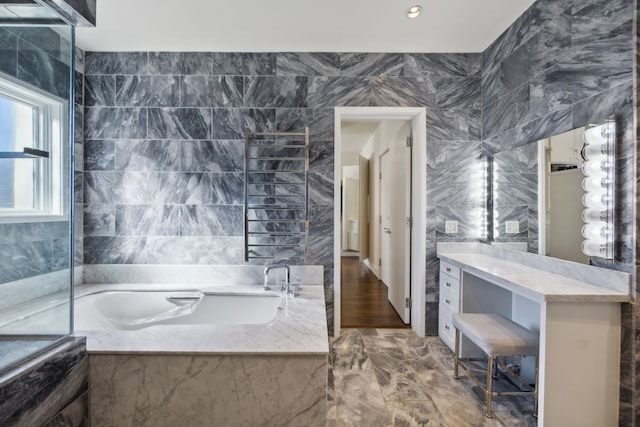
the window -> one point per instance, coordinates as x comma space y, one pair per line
32, 189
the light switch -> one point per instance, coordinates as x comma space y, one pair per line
512, 227
451, 227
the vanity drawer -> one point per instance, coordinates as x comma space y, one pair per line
450, 270
446, 330
450, 298
448, 282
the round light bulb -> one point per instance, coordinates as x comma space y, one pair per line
414, 11
595, 183
594, 167
594, 248
598, 200
595, 215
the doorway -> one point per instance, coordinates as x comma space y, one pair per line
402, 269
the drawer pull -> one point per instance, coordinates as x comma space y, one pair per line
448, 285
447, 327
448, 269
447, 301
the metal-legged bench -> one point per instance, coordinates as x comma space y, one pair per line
496, 336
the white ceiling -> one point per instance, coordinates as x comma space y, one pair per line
298, 25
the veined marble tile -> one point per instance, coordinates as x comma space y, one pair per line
516, 189
588, 26
47, 386
258, 64
503, 213
359, 400
227, 63
181, 63
454, 156
321, 155
99, 155
328, 92
8, 49
276, 92
212, 156
521, 159
115, 250
116, 187
212, 91
437, 64
115, 123
506, 112
147, 220
179, 123
99, 91
454, 92
469, 220
147, 155
23, 260
211, 220
320, 189
28, 232
147, 91
230, 123
179, 188
371, 64
307, 64
348, 352
35, 66
321, 220
552, 42
454, 190
508, 41
79, 60
415, 413
453, 125
227, 188
99, 219
178, 389
134, 63
551, 124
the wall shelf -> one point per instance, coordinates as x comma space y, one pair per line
26, 153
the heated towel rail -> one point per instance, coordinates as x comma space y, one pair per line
276, 205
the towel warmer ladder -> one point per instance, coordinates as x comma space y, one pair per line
276, 202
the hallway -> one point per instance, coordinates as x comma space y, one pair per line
364, 299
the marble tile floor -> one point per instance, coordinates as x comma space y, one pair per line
391, 377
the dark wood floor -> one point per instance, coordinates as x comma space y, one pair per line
364, 299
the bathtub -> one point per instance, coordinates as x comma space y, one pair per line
194, 354
130, 310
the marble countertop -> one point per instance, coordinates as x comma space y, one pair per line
535, 284
299, 328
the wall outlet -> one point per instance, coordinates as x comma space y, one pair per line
451, 227
512, 227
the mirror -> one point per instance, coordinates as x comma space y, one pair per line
544, 197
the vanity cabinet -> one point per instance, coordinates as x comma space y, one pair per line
578, 325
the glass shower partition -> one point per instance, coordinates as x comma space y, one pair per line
36, 181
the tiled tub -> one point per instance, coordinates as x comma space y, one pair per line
273, 373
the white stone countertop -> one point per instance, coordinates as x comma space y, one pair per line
299, 328
535, 284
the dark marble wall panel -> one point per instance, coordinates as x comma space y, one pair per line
562, 64
143, 155
49, 390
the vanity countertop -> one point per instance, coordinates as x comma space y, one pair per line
534, 283
299, 328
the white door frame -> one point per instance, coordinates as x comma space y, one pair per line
418, 118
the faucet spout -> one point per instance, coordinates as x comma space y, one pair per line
268, 268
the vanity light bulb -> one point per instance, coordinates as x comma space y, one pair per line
595, 167
598, 134
595, 200
594, 151
596, 249
595, 183
595, 215
596, 231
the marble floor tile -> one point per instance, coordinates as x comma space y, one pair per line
391, 377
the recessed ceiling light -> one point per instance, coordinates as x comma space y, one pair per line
414, 11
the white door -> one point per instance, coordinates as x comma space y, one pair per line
395, 238
363, 206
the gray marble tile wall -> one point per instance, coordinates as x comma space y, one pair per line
40, 57
163, 148
50, 391
562, 64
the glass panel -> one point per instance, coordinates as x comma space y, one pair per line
17, 184
36, 253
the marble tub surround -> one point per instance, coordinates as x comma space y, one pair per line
232, 375
298, 328
47, 389
207, 390
548, 278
